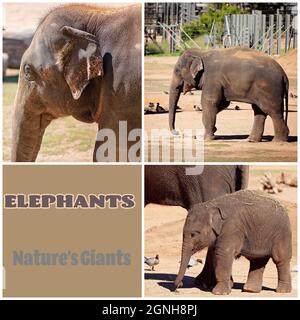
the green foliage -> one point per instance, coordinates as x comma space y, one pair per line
214, 15
153, 48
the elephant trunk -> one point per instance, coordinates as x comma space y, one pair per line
186, 254
175, 91
27, 133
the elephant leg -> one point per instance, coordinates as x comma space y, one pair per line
284, 277
258, 125
209, 117
206, 280
224, 261
280, 128
225, 252
255, 275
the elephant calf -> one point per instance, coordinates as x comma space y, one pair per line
245, 223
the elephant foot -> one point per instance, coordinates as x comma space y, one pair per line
284, 288
209, 137
254, 139
222, 289
252, 287
280, 139
205, 281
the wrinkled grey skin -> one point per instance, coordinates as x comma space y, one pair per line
246, 223
84, 62
233, 74
170, 185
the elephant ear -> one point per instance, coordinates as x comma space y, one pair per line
80, 60
217, 218
196, 66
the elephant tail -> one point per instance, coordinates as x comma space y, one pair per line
286, 97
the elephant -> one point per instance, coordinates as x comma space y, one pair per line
245, 223
232, 74
170, 185
84, 61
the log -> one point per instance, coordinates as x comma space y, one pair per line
269, 185
287, 180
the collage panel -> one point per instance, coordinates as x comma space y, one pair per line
226, 230
76, 235
72, 82
220, 82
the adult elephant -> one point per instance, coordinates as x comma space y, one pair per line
171, 185
233, 74
84, 61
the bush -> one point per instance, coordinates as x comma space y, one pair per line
204, 24
152, 48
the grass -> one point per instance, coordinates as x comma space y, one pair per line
155, 51
259, 172
165, 54
66, 139
9, 91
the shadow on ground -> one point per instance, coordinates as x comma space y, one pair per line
166, 280
267, 138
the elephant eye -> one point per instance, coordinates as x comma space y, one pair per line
195, 233
29, 73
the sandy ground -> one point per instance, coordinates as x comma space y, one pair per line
163, 236
233, 125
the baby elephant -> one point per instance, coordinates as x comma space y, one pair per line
245, 223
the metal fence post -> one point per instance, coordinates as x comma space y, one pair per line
278, 31
263, 31
256, 31
295, 31
271, 26
287, 34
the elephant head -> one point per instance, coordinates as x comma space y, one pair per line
53, 82
186, 76
203, 224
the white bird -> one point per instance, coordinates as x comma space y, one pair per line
152, 261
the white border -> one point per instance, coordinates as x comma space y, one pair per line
142, 172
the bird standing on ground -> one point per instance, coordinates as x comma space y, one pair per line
152, 261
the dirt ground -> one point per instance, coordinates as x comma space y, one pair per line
163, 236
233, 125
